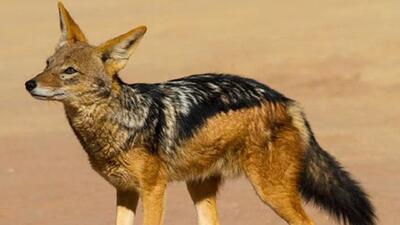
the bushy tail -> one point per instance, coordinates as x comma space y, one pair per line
329, 186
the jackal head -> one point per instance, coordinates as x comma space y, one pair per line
78, 70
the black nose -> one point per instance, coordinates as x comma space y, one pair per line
30, 85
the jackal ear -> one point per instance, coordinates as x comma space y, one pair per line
116, 52
70, 31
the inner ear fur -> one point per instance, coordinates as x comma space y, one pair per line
116, 52
70, 31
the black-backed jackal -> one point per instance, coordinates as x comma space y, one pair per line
199, 129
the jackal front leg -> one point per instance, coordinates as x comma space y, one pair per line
153, 198
126, 207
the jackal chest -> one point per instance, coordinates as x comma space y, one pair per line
106, 145
101, 142
99, 135
116, 172
107, 157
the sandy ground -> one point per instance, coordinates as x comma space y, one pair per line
339, 59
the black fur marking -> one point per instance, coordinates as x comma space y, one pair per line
100, 82
130, 43
61, 21
165, 114
195, 99
71, 81
213, 94
105, 56
325, 182
155, 121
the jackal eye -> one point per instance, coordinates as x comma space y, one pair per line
70, 70
47, 63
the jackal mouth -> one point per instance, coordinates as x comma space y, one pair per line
56, 96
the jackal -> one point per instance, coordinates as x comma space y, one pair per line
199, 129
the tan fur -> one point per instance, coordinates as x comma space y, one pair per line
268, 154
263, 143
203, 194
218, 147
266, 143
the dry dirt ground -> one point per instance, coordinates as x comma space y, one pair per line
338, 58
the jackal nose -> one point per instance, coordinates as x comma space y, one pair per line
30, 85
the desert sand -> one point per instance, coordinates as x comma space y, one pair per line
338, 58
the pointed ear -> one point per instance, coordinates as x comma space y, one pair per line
70, 31
116, 52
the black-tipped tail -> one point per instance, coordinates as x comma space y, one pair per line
329, 186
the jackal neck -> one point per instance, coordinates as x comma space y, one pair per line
110, 125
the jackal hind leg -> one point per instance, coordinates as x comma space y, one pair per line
274, 177
203, 194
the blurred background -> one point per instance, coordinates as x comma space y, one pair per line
338, 58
